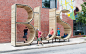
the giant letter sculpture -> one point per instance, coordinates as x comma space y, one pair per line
27, 23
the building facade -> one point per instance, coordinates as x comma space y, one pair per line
5, 17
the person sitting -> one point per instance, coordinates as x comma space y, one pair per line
65, 35
51, 33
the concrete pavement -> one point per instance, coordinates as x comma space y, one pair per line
68, 49
6, 47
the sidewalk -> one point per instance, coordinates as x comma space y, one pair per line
6, 47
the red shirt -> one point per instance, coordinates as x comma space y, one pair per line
51, 32
39, 34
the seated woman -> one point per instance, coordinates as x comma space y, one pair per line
65, 35
58, 32
50, 34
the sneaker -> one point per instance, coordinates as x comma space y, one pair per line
24, 41
42, 44
37, 45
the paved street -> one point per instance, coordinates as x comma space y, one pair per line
68, 49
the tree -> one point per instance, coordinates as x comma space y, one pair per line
82, 14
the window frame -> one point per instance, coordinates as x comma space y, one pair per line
78, 29
49, 3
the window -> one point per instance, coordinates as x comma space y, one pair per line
49, 3
78, 28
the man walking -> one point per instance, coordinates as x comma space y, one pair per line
39, 36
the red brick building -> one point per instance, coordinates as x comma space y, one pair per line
5, 18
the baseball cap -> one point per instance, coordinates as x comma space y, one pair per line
58, 28
38, 29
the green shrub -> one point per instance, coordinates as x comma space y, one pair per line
84, 36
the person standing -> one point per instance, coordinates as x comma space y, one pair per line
25, 34
39, 36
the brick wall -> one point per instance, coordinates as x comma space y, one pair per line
5, 19
78, 4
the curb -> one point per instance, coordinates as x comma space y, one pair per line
40, 47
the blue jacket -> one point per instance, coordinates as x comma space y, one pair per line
65, 35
